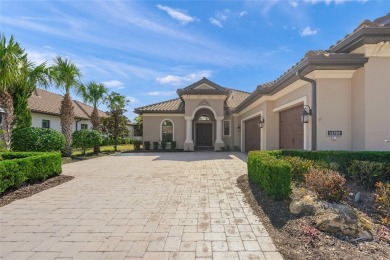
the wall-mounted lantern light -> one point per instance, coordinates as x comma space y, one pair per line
239, 128
305, 114
261, 122
2, 113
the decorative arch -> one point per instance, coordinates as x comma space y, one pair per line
161, 128
200, 107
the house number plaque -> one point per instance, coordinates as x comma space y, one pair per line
334, 133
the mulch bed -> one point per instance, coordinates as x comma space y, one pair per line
291, 234
78, 158
31, 189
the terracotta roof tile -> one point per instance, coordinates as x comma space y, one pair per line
170, 106
42, 101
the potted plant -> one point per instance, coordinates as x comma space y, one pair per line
155, 145
147, 145
173, 145
163, 144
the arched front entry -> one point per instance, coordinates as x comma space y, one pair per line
204, 128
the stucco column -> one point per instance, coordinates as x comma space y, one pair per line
188, 143
218, 140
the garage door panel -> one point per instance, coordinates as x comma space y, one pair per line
252, 135
291, 128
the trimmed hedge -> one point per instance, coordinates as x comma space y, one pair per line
272, 174
342, 158
17, 168
34, 139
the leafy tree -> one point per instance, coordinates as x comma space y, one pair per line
86, 139
93, 94
66, 75
115, 125
140, 124
10, 60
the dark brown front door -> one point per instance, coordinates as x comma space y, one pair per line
252, 134
204, 135
291, 128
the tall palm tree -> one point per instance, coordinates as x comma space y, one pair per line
93, 93
10, 60
66, 76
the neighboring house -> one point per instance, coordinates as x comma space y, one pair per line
338, 99
131, 127
45, 109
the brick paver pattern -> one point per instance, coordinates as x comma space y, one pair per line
140, 206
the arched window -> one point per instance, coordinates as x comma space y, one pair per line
167, 131
204, 118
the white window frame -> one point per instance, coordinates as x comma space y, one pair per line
173, 128
47, 120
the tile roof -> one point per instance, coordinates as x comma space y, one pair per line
45, 102
177, 105
169, 106
194, 89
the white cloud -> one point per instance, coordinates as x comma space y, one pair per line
177, 14
215, 22
132, 100
179, 80
115, 84
293, 3
161, 93
336, 2
223, 15
308, 31
243, 13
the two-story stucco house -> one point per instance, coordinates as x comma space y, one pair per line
337, 99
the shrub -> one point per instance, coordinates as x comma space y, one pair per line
147, 145
163, 145
382, 196
272, 174
299, 167
85, 139
173, 145
137, 144
236, 148
34, 139
340, 158
227, 148
368, 173
155, 145
327, 184
18, 168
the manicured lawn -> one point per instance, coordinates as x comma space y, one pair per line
103, 149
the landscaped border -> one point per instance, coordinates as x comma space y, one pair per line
17, 168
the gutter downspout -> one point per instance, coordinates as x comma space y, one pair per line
313, 109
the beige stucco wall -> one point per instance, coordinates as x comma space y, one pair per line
358, 110
55, 122
334, 113
193, 104
377, 103
152, 128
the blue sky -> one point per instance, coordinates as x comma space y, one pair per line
145, 50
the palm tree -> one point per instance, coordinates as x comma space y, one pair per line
66, 76
30, 76
93, 93
10, 60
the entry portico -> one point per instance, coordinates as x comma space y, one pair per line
201, 116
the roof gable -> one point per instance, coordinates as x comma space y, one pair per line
203, 86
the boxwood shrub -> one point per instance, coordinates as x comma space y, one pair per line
272, 174
17, 168
33, 139
342, 158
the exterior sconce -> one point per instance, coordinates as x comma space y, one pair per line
305, 114
2, 113
239, 128
261, 122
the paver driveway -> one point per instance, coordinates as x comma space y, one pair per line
150, 206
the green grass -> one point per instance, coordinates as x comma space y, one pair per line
104, 149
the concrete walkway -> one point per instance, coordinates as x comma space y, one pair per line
139, 206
